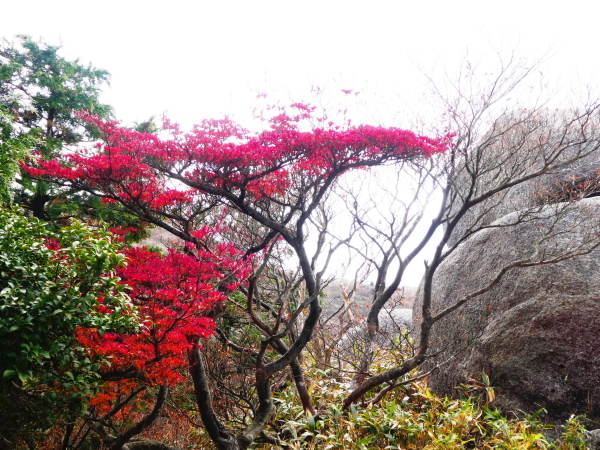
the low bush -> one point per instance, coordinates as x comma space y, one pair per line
411, 418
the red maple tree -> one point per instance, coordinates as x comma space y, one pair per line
173, 294
276, 178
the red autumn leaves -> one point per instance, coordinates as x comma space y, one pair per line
219, 160
172, 293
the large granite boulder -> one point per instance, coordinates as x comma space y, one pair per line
560, 146
577, 180
536, 333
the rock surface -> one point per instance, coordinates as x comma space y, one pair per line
517, 146
593, 440
537, 332
571, 183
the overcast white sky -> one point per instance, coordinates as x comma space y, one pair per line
198, 59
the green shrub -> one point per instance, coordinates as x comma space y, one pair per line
410, 418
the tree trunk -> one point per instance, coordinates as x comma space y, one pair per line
222, 438
38, 206
301, 386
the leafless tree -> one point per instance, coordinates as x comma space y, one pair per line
503, 150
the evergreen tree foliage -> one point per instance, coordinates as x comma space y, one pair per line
53, 285
40, 94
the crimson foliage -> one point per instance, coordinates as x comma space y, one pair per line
276, 178
221, 158
173, 293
